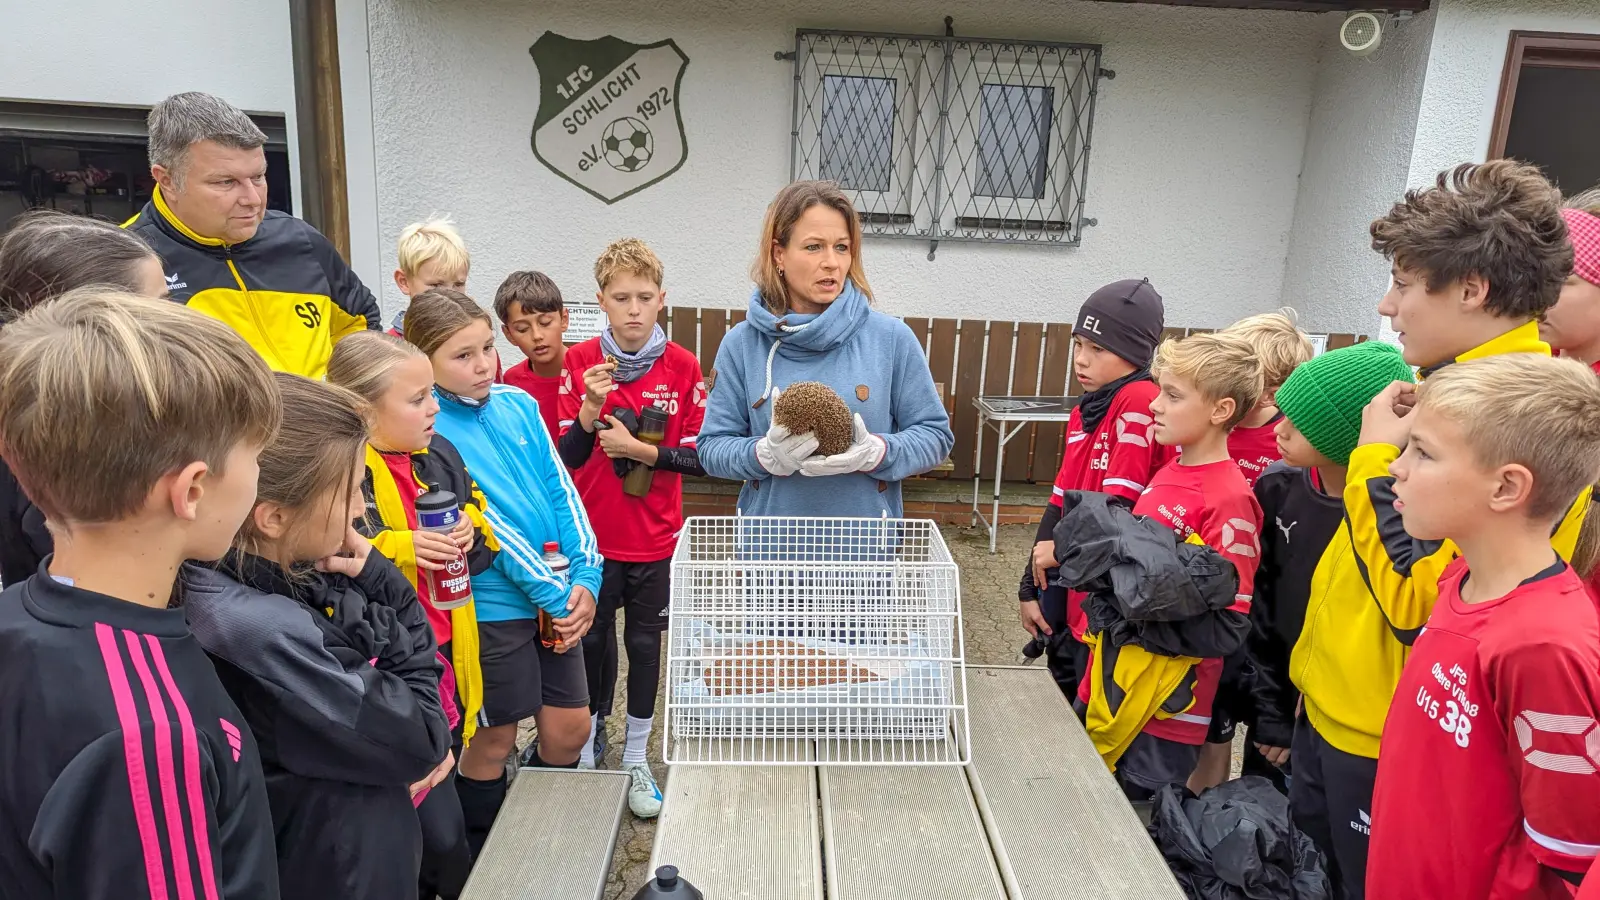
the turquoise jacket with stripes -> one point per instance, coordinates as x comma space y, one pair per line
531, 501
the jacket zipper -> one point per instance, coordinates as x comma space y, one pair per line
249, 305
500, 452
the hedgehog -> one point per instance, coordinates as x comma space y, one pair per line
811, 407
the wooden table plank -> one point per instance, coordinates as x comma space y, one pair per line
554, 837
892, 832
742, 832
1030, 755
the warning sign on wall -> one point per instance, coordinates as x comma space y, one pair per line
609, 117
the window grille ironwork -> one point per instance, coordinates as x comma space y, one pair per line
949, 138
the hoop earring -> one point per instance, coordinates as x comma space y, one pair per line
780, 273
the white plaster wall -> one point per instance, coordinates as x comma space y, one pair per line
119, 53
1470, 39
1357, 157
1197, 146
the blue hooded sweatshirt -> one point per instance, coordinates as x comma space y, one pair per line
871, 360
532, 500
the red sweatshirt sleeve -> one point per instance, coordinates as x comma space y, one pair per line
1133, 456
1233, 529
1547, 698
694, 415
570, 397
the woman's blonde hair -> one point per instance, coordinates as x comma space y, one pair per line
1588, 201
361, 363
785, 210
310, 464
435, 316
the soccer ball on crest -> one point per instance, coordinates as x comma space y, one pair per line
628, 144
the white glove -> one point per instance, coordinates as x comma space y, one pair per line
780, 452
865, 453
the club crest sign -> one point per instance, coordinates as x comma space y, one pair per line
609, 119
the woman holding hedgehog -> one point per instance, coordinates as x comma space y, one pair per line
820, 404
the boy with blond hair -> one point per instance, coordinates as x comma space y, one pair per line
431, 255
1253, 444
1208, 384
134, 424
1489, 775
610, 383
1281, 347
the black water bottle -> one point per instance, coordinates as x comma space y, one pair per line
668, 884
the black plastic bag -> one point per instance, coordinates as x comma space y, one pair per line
1236, 842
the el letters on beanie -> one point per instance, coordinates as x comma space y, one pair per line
1323, 398
1125, 317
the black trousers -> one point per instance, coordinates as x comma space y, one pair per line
1067, 657
1330, 799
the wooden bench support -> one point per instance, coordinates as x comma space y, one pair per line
554, 837
1058, 824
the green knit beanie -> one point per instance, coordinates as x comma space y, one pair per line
1323, 398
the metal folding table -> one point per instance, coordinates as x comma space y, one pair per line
1008, 416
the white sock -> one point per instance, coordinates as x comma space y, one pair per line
638, 739
586, 755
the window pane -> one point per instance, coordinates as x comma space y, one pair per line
857, 131
1013, 139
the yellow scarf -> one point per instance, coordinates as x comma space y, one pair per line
397, 544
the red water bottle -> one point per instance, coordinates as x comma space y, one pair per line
451, 586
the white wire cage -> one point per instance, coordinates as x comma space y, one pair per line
806, 641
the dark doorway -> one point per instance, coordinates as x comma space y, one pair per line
1549, 107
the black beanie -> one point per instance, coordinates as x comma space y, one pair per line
1124, 317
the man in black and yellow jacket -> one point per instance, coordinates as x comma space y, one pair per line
271, 277
1477, 259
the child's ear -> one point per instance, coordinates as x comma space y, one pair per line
184, 488
271, 520
600, 297
663, 299
564, 320
1512, 488
1223, 410
401, 282
1474, 291
506, 330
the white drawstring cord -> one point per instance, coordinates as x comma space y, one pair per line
772, 353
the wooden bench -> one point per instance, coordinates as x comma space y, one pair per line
1035, 816
554, 837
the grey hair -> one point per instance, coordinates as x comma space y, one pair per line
1588, 201
182, 120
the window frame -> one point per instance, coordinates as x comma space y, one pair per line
937, 159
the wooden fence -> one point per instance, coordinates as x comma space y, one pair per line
970, 358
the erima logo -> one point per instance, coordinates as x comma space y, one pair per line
1239, 537
1285, 528
173, 284
1365, 824
1135, 428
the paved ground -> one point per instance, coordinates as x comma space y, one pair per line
993, 635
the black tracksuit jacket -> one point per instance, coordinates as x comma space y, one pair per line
338, 677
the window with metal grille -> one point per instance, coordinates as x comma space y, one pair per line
949, 138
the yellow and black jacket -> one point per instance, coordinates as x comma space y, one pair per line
1374, 589
285, 290
439, 468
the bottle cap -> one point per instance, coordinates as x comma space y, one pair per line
436, 501
552, 547
655, 415
667, 876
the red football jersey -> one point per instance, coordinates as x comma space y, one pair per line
1490, 769
545, 391
1214, 502
636, 529
1117, 458
1254, 449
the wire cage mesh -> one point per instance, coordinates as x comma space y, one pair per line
805, 641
